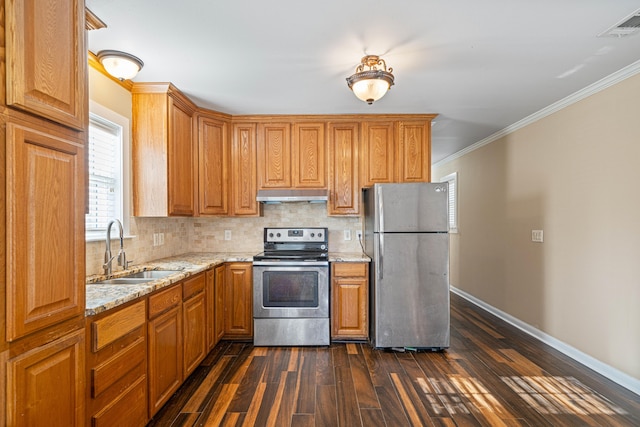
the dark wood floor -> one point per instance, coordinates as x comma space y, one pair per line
492, 375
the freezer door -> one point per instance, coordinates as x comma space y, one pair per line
410, 207
410, 290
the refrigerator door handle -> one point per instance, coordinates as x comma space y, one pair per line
381, 257
380, 211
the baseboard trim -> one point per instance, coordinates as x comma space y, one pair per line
626, 381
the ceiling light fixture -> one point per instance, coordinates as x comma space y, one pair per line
120, 65
371, 80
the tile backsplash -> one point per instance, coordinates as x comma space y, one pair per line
207, 234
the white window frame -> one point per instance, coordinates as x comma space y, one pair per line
103, 113
452, 179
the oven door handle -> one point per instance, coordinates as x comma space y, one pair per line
291, 263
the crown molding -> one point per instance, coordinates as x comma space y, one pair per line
592, 89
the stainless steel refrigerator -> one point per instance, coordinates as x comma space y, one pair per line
406, 234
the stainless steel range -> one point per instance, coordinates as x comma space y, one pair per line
291, 288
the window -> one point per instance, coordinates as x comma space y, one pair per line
108, 140
452, 179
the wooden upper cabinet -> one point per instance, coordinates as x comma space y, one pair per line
46, 59
45, 227
274, 155
243, 171
414, 151
213, 166
164, 169
344, 189
308, 152
378, 153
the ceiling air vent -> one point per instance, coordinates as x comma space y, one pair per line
628, 26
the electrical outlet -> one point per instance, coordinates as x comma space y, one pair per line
359, 235
347, 234
227, 234
155, 239
160, 239
537, 236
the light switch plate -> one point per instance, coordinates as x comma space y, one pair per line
537, 236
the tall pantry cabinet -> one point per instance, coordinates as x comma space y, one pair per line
43, 126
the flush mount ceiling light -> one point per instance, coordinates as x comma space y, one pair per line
120, 65
371, 80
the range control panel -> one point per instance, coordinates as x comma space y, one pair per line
288, 235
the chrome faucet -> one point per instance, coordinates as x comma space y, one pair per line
122, 257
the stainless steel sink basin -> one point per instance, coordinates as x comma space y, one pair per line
124, 281
138, 278
151, 274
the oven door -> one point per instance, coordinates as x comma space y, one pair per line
290, 290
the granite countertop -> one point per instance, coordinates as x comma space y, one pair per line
102, 297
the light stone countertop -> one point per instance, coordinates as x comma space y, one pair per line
102, 297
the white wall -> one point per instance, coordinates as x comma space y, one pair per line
575, 175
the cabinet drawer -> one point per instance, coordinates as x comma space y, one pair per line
130, 409
129, 360
193, 285
350, 269
164, 300
112, 327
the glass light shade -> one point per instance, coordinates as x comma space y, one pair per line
120, 65
370, 90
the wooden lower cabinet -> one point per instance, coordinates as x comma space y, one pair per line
117, 367
238, 301
194, 316
165, 351
215, 305
45, 385
350, 300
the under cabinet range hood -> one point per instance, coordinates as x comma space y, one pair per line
300, 195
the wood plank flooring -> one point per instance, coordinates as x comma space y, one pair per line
493, 375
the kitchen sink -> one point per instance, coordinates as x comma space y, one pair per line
151, 274
124, 281
137, 278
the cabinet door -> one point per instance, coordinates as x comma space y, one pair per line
308, 148
238, 301
414, 151
378, 150
220, 273
213, 161
210, 289
181, 164
344, 189
46, 59
165, 357
274, 155
350, 301
45, 229
46, 384
243, 163
195, 339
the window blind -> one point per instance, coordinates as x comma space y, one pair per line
104, 168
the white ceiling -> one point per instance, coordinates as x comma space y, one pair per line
480, 65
